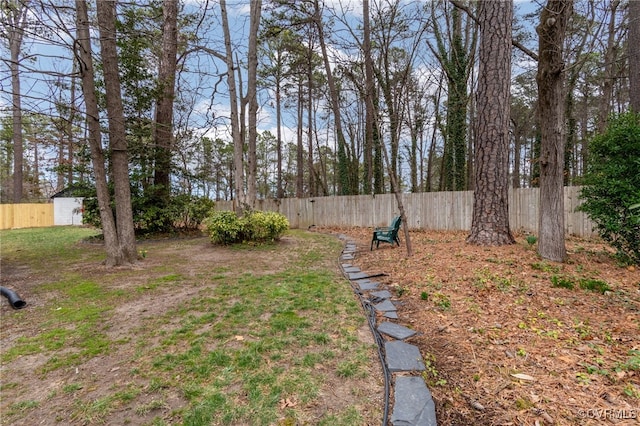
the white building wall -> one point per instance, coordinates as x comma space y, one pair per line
67, 211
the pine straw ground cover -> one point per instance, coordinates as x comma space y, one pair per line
511, 339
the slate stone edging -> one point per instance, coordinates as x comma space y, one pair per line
413, 405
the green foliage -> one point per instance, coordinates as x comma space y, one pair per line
612, 186
632, 364
531, 239
545, 267
557, 281
264, 226
255, 226
442, 301
594, 285
591, 284
223, 228
182, 213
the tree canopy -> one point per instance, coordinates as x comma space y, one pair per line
302, 99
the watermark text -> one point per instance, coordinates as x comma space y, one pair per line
609, 413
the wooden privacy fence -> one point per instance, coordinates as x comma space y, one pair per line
25, 215
427, 210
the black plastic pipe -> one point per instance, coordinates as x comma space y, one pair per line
13, 298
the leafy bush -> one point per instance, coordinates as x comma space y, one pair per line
224, 228
152, 215
188, 212
612, 186
265, 226
255, 226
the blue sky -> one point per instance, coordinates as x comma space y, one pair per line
49, 60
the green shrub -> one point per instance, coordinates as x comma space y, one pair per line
253, 226
612, 186
188, 212
151, 215
264, 226
224, 228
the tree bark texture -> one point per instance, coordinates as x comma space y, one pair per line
300, 148
252, 89
117, 136
634, 55
551, 96
490, 219
238, 143
345, 182
368, 96
83, 53
14, 28
163, 131
609, 61
279, 189
311, 192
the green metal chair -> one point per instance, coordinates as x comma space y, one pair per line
388, 234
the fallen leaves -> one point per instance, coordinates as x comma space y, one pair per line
521, 371
287, 402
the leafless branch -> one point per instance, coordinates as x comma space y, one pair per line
533, 55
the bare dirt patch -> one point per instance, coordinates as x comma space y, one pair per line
502, 344
72, 395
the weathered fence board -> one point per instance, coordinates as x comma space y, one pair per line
427, 210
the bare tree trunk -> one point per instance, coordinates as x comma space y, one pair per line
490, 221
311, 185
14, 29
255, 10
551, 95
238, 142
299, 151
345, 184
64, 130
609, 57
368, 97
398, 194
432, 146
634, 55
61, 160
279, 189
35, 180
70, 122
471, 137
322, 175
163, 130
117, 137
83, 53
517, 147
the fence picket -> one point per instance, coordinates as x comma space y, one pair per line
427, 210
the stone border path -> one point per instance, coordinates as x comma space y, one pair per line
413, 403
